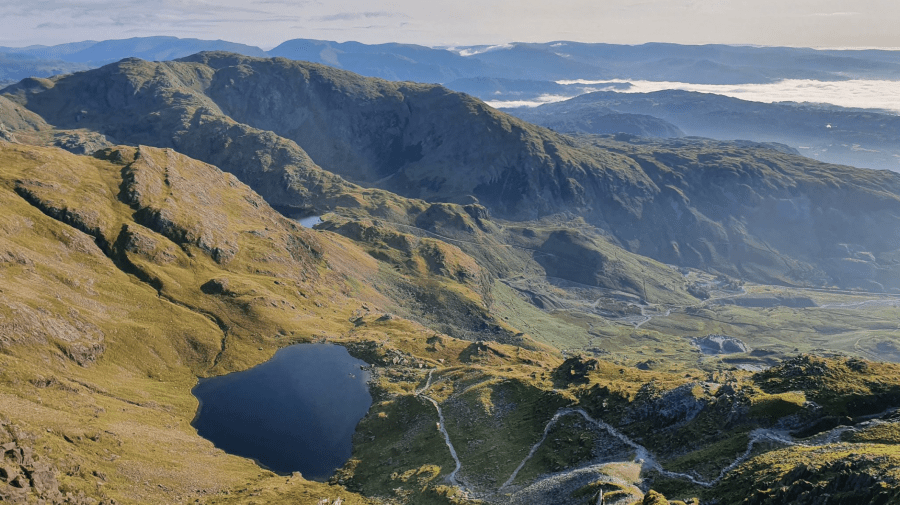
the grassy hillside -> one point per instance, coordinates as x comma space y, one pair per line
105, 325
123, 281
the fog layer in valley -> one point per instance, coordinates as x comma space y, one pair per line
855, 93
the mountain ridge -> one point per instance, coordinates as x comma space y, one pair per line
702, 64
378, 133
845, 136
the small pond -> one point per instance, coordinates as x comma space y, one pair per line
295, 412
309, 222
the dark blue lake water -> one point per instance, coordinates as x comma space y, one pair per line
295, 412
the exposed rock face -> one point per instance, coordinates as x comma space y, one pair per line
6, 135
843, 483
77, 338
575, 369
720, 344
81, 142
599, 121
667, 410
26, 478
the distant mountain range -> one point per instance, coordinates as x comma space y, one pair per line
860, 138
526, 72
550, 61
521, 71
17, 63
17, 66
94, 53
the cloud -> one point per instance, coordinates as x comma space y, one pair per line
480, 50
291, 3
354, 16
168, 16
527, 103
53, 26
834, 14
49, 8
854, 93
461, 22
865, 94
140, 11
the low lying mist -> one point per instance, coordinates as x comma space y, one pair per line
854, 93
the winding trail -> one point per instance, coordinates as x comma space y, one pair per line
421, 393
878, 302
427, 385
649, 317
643, 455
558, 488
591, 472
534, 449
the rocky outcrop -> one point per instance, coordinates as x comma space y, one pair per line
845, 482
481, 352
598, 121
73, 334
667, 410
6, 135
82, 142
25, 477
720, 344
575, 369
654, 498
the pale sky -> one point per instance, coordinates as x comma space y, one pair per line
266, 23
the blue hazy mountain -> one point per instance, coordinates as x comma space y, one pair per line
57, 52
524, 62
711, 64
17, 66
598, 121
395, 62
562, 60
863, 138
95, 53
